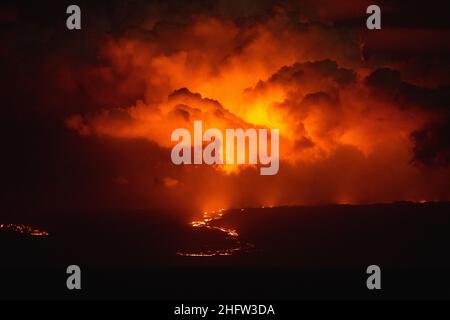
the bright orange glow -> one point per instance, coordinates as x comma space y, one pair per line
341, 139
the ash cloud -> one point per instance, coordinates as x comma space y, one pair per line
362, 117
431, 145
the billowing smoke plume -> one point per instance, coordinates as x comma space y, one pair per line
356, 125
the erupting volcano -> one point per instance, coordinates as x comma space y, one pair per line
311, 130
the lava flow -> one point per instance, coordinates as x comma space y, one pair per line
231, 234
23, 229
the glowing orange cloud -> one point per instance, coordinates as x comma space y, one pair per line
304, 79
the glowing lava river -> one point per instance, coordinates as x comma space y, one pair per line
210, 222
22, 229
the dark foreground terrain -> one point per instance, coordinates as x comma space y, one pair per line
278, 253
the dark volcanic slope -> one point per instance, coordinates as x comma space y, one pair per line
299, 252
398, 235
